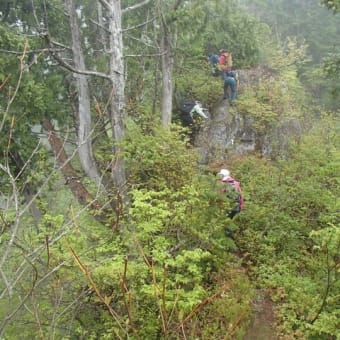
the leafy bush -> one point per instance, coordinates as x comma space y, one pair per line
290, 233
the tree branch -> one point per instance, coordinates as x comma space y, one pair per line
131, 8
69, 67
106, 4
140, 25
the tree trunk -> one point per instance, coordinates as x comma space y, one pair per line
102, 38
117, 104
70, 175
167, 84
84, 106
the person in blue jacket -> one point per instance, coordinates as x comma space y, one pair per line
214, 62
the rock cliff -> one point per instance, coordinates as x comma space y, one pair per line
228, 131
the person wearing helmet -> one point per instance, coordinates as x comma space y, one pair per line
233, 191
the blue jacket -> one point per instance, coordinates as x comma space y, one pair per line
213, 58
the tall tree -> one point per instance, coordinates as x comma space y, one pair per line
168, 39
84, 130
116, 73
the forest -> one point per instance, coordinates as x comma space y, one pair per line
113, 225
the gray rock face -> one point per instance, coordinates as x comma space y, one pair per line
228, 131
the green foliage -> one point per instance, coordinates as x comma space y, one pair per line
257, 105
154, 272
159, 159
292, 226
167, 271
331, 68
312, 26
228, 313
228, 26
334, 5
176, 226
166, 260
202, 86
28, 96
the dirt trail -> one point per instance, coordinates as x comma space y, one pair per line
262, 326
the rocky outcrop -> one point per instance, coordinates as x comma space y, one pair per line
228, 131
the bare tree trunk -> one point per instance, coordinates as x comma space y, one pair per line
117, 105
84, 106
168, 43
102, 37
167, 85
70, 175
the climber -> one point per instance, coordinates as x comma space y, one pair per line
214, 62
192, 113
188, 110
225, 62
230, 84
233, 191
198, 108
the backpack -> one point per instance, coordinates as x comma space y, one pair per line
187, 106
214, 59
226, 61
214, 62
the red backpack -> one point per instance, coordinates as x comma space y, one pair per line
226, 61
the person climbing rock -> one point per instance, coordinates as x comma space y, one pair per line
192, 115
189, 109
214, 63
230, 86
225, 62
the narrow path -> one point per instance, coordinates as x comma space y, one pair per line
214, 137
262, 326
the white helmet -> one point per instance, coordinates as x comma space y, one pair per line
224, 172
